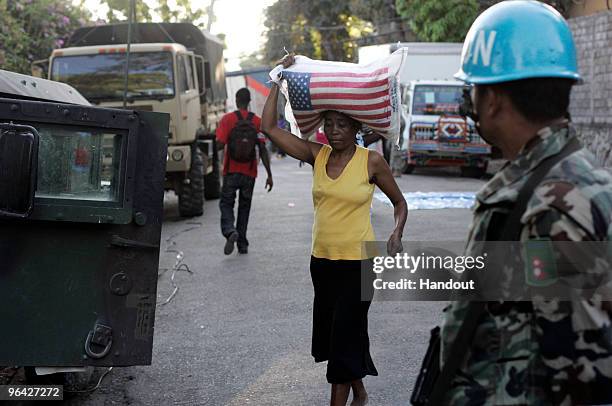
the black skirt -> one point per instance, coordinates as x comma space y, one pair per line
340, 319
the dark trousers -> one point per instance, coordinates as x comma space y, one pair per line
340, 319
233, 182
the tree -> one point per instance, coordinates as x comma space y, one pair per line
168, 11
439, 21
322, 29
118, 11
253, 60
31, 29
449, 21
563, 6
182, 12
285, 31
388, 25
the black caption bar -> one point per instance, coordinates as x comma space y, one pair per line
31, 392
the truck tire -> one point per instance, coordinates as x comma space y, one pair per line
212, 181
408, 169
473, 171
387, 145
191, 193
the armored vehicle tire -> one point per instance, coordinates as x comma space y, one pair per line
212, 181
191, 193
52, 379
408, 169
73, 381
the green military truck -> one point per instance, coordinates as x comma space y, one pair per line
174, 68
81, 208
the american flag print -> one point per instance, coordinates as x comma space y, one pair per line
367, 93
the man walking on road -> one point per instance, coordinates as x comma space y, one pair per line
239, 133
527, 351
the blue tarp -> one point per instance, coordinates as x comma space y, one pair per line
433, 200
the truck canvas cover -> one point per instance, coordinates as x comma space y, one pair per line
201, 42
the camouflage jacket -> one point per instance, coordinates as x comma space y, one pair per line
544, 356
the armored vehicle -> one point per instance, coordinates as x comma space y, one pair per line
81, 204
174, 68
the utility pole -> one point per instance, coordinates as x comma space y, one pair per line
211, 15
131, 16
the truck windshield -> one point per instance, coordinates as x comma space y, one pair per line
436, 100
99, 77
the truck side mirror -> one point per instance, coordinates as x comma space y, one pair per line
405, 93
466, 108
202, 67
18, 169
40, 68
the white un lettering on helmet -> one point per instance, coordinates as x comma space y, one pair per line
483, 48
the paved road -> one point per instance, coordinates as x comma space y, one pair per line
238, 330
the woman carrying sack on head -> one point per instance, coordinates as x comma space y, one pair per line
343, 185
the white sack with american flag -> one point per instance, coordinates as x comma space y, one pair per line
368, 93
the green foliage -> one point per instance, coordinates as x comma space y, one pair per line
375, 11
321, 29
450, 20
169, 11
118, 10
563, 6
182, 12
439, 21
252, 60
31, 29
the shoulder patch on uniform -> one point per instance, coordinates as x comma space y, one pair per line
540, 264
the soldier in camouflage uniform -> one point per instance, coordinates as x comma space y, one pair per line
550, 352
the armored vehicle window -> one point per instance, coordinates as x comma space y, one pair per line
436, 100
99, 77
79, 164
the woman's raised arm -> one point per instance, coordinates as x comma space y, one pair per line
298, 148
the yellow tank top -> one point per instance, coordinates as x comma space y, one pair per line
341, 207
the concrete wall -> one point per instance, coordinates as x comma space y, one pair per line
591, 104
587, 7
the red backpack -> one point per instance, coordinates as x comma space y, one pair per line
243, 139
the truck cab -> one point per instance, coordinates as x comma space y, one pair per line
173, 68
437, 134
162, 79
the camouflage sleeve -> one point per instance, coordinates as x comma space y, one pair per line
573, 336
560, 211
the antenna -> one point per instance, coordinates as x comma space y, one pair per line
131, 16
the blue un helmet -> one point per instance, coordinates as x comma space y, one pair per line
518, 39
